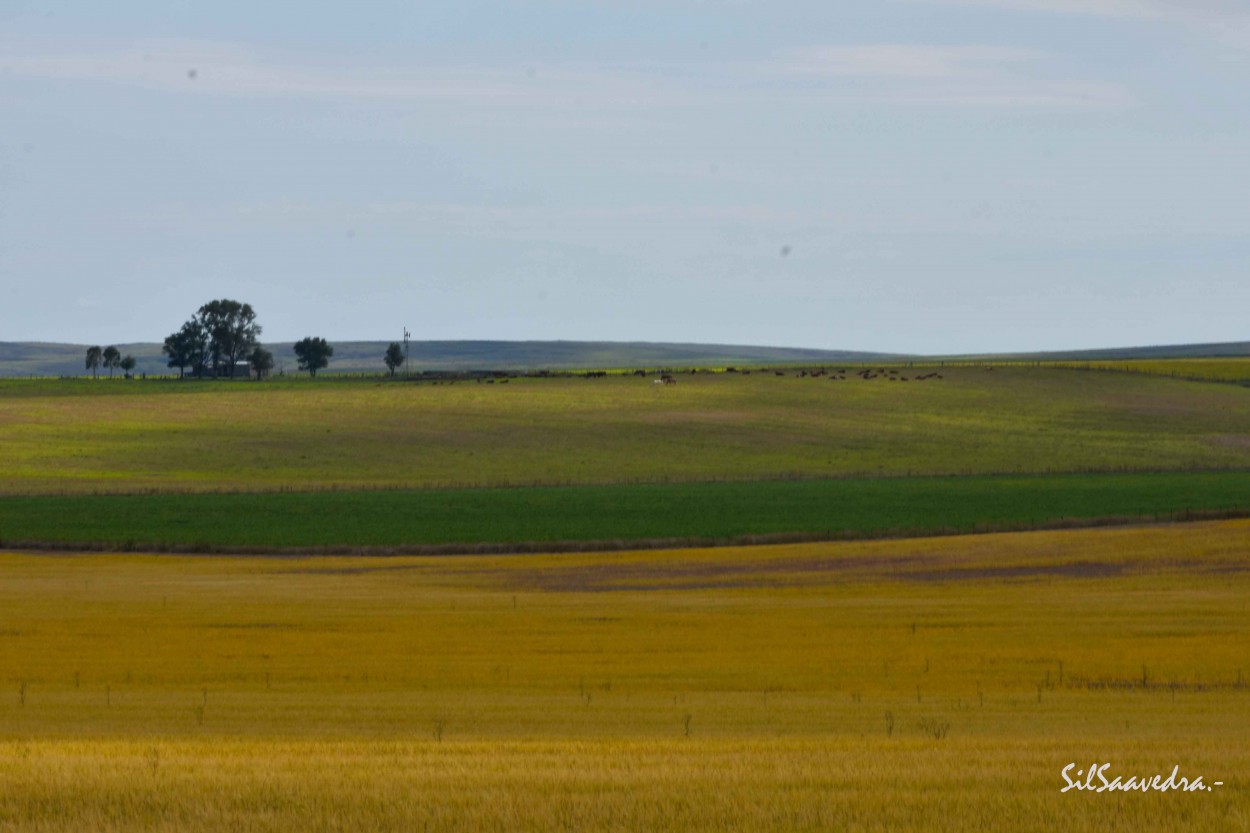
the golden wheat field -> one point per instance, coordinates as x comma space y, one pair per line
927, 684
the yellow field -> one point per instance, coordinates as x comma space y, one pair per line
937, 684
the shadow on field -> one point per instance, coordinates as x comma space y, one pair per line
819, 570
617, 577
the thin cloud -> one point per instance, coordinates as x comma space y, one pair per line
897, 74
525, 219
973, 75
1142, 9
903, 60
194, 67
1109, 8
1224, 21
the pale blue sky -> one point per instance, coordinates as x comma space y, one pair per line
935, 176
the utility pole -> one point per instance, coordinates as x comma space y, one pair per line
407, 335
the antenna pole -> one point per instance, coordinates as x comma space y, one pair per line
407, 335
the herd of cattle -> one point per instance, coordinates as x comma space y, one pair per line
666, 377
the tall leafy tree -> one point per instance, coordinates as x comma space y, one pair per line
94, 357
313, 353
178, 350
261, 361
112, 358
128, 364
394, 357
187, 348
232, 332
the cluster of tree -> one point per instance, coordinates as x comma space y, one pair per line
110, 357
215, 340
222, 336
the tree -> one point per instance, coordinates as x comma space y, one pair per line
232, 332
313, 354
261, 361
128, 364
394, 357
187, 348
112, 358
94, 355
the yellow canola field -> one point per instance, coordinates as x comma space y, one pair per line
929, 684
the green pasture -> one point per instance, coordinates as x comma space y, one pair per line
84, 437
467, 519
1212, 370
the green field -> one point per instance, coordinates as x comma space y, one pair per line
343, 464
927, 685
613, 515
98, 437
1215, 370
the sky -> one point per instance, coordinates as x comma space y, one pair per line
920, 176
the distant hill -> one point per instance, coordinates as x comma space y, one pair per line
50, 359
1229, 349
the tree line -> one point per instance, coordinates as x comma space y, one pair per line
224, 335
110, 358
221, 339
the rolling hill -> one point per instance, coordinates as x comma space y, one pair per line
53, 359
57, 359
